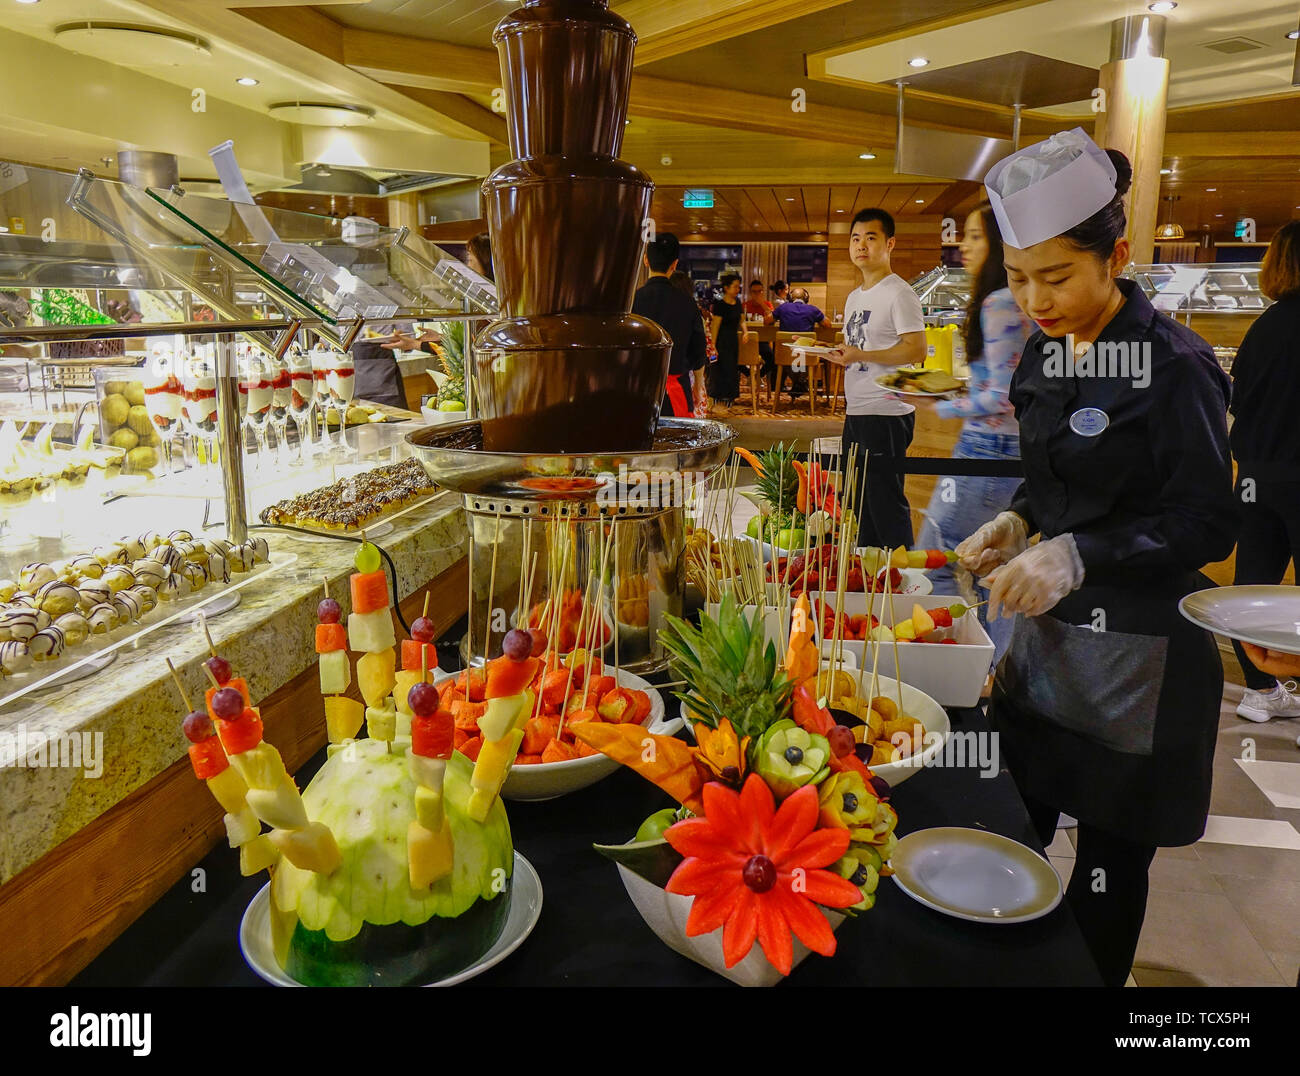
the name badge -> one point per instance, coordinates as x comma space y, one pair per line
1089, 421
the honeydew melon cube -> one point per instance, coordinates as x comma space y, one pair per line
229, 790
371, 632
343, 717
500, 716
428, 808
280, 807
261, 766
430, 854
312, 848
426, 772
403, 724
257, 855
335, 672
242, 827
381, 722
375, 676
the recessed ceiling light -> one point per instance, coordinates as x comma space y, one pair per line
1218, 214
920, 201
841, 211
1293, 35
29, 1
247, 81
866, 156
1161, 6
917, 61
1210, 190
1166, 171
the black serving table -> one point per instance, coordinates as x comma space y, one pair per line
590, 934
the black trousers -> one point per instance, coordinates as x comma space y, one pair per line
1268, 541
1107, 891
885, 519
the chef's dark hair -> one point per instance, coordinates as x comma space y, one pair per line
992, 277
1100, 232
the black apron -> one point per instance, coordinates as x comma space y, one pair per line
378, 378
1115, 727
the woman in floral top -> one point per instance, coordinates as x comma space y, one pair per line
995, 333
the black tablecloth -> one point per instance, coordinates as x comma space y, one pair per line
589, 933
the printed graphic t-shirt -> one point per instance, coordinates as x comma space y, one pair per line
874, 319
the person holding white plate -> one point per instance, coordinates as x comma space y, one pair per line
1107, 701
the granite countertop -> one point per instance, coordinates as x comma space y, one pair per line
133, 705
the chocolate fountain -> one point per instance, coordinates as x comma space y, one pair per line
569, 477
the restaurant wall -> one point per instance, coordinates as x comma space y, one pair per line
917, 248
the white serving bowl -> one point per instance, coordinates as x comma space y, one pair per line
550, 780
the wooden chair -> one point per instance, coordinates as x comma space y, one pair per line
786, 361
751, 362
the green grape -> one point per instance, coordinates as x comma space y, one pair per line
367, 558
958, 610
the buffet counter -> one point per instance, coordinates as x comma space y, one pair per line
119, 838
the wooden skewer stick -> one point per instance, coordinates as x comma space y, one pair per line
211, 676
492, 584
325, 585
203, 623
425, 611
898, 669
179, 690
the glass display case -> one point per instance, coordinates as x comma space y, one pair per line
1218, 301
944, 292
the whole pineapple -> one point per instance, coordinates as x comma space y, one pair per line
451, 356
730, 670
778, 484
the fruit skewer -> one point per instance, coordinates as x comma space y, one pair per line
431, 851
343, 716
370, 631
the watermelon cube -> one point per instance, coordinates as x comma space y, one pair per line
371, 632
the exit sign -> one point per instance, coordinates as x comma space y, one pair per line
698, 198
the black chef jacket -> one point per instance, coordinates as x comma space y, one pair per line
659, 301
1151, 495
1266, 395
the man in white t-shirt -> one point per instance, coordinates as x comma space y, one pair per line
883, 328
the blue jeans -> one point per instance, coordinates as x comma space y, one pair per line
960, 506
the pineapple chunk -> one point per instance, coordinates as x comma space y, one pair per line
403, 724
402, 684
311, 848
427, 772
229, 789
494, 760
335, 672
261, 766
430, 855
242, 827
371, 632
922, 621
375, 676
257, 855
343, 717
428, 808
280, 807
381, 722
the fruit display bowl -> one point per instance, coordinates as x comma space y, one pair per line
665, 913
550, 780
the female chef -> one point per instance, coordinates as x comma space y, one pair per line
1107, 703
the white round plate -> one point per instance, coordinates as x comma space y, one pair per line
812, 349
913, 392
975, 875
1262, 615
525, 908
550, 780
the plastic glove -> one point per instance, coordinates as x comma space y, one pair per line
998, 541
1037, 579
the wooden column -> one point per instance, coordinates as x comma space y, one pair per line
1136, 86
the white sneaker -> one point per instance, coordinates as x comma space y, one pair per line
1261, 705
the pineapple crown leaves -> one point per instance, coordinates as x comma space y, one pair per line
730, 670
778, 485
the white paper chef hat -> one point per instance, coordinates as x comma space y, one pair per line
1049, 187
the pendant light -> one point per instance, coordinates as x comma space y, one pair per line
1170, 230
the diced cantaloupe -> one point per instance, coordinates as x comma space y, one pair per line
312, 848
343, 717
280, 807
335, 672
416, 654
375, 675
229, 790
260, 766
371, 632
257, 855
241, 827
430, 855
381, 721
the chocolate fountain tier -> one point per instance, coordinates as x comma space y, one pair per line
567, 67
571, 383
566, 233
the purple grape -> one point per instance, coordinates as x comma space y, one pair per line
879, 786
227, 703
841, 741
219, 668
197, 726
422, 699
329, 611
518, 644
422, 629
759, 874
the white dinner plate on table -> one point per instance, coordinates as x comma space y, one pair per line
975, 875
525, 908
1263, 615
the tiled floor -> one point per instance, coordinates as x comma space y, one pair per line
1226, 911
